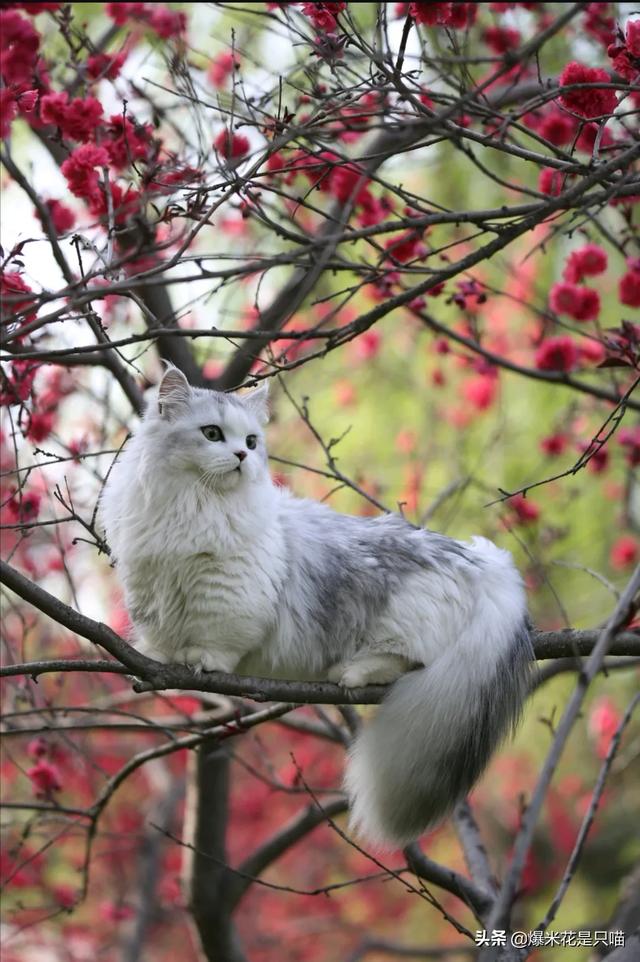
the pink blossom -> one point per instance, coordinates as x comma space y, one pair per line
557, 354
624, 552
551, 181
367, 345
323, 15
77, 118
45, 778
62, 217
104, 65
222, 67
79, 170
480, 391
580, 303
586, 261
501, 39
230, 145
126, 142
554, 444
526, 511
629, 289
557, 127
629, 438
632, 37
19, 52
588, 103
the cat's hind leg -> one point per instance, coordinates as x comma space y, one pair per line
207, 659
370, 668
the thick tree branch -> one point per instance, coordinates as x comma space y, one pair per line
155, 676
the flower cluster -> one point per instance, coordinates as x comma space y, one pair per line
559, 353
76, 118
586, 261
456, 15
323, 15
629, 284
588, 103
230, 145
80, 170
625, 55
163, 21
580, 303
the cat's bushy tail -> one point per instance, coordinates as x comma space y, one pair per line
436, 730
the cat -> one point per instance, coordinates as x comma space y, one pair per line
225, 571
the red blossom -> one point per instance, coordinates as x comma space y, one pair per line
480, 391
557, 127
501, 39
121, 12
8, 110
526, 511
12, 101
366, 346
406, 247
125, 203
443, 14
587, 140
116, 912
126, 142
596, 102
554, 444
599, 22
11, 286
25, 506
603, 722
37, 747
323, 15
632, 37
629, 288
167, 23
17, 385
629, 438
40, 425
231, 145
624, 552
104, 65
551, 181
62, 217
80, 173
346, 179
591, 351
557, 354
19, 52
77, 118
45, 779
598, 460
33, 9
580, 303
222, 67
586, 261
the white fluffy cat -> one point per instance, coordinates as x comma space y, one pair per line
227, 572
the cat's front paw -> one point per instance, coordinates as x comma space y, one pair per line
203, 659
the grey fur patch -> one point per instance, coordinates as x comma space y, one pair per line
345, 579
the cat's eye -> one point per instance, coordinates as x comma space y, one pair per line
212, 432
251, 441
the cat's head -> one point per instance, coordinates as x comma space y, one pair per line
217, 437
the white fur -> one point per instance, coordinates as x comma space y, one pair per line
224, 571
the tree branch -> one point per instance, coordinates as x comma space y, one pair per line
156, 676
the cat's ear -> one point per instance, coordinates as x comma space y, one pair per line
174, 393
258, 402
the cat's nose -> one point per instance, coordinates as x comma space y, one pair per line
241, 455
